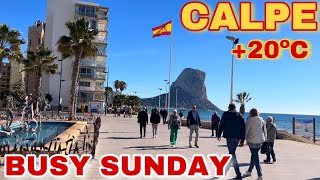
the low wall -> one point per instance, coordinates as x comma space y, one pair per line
281, 134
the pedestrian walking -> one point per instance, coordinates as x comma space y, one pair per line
155, 120
271, 136
174, 125
215, 120
143, 121
232, 126
256, 134
193, 123
164, 116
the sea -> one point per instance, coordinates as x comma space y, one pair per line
283, 121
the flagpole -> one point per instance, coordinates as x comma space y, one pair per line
170, 66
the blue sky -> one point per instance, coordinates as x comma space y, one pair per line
282, 86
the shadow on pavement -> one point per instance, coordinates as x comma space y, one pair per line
121, 138
162, 147
314, 178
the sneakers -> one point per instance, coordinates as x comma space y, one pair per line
260, 178
155, 136
247, 173
267, 161
190, 145
196, 145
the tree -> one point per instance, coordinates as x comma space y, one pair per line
77, 45
40, 62
133, 101
243, 98
10, 44
122, 86
120, 99
116, 85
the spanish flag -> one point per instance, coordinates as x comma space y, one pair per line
164, 29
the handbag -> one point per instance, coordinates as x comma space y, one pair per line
265, 148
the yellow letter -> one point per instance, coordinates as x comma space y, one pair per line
224, 17
246, 23
304, 16
275, 12
187, 16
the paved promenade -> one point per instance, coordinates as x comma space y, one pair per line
121, 136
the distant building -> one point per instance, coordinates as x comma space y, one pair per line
93, 70
35, 40
4, 80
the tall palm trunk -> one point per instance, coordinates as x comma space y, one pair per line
242, 109
38, 96
74, 86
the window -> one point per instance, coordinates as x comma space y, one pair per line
93, 24
84, 84
85, 11
39, 41
30, 42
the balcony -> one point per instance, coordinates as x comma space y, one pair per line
86, 14
99, 40
93, 76
85, 100
101, 89
93, 64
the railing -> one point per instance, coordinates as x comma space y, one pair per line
88, 14
99, 89
102, 16
93, 64
83, 100
100, 40
87, 75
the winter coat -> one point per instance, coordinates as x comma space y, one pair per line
256, 132
232, 125
271, 131
143, 117
192, 121
155, 118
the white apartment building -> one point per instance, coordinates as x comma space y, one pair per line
93, 71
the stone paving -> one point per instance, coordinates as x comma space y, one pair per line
295, 161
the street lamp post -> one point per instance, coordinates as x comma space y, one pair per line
61, 80
107, 92
160, 89
166, 101
234, 42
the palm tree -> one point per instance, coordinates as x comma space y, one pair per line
122, 86
79, 46
10, 44
243, 98
40, 62
116, 85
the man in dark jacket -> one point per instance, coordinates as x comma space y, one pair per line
164, 116
233, 127
155, 120
143, 121
215, 120
193, 123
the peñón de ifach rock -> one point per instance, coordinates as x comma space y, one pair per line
190, 88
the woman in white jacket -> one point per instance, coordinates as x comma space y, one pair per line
255, 136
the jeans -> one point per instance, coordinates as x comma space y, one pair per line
272, 152
154, 129
173, 136
196, 129
164, 119
255, 161
232, 144
143, 126
214, 128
